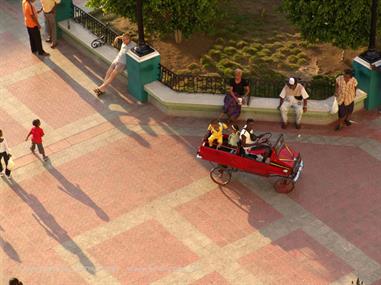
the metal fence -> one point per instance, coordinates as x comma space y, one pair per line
317, 89
95, 26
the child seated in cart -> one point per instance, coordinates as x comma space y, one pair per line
233, 139
216, 128
249, 142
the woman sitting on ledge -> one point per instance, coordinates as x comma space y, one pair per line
233, 101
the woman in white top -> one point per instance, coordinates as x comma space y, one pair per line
4, 154
118, 65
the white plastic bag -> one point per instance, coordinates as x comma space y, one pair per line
11, 164
334, 107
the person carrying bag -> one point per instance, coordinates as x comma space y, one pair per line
5, 155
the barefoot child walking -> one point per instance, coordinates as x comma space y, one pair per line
37, 133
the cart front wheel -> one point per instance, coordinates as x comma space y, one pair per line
284, 185
221, 175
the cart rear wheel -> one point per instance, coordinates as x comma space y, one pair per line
221, 175
284, 185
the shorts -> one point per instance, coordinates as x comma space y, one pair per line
118, 66
345, 110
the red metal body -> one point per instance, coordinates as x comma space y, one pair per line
285, 162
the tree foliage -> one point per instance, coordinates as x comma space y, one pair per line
343, 23
164, 16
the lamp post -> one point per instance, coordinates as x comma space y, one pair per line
142, 49
371, 55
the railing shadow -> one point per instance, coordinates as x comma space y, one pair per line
50, 225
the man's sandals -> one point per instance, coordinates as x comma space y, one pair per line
98, 92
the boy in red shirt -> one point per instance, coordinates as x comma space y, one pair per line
37, 133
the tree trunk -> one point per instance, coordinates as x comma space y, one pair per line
178, 36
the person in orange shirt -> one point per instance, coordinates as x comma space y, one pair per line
33, 27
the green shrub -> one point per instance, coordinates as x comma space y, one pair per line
257, 46
267, 59
218, 47
292, 59
193, 66
301, 61
278, 56
238, 57
206, 59
264, 52
228, 63
249, 50
220, 41
242, 44
294, 51
214, 53
230, 50
228, 72
292, 45
232, 42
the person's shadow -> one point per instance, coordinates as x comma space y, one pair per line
50, 225
74, 190
9, 249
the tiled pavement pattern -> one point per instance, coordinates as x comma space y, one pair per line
124, 201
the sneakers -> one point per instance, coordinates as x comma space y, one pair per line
348, 123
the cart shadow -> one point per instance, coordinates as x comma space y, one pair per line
51, 226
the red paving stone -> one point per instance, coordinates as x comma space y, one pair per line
10, 50
349, 206
136, 258
212, 278
12, 131
53, 100
228, 215
295, 259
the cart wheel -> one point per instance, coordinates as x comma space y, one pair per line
284, 185
220, 175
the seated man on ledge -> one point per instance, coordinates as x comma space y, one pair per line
249, 142
293, 95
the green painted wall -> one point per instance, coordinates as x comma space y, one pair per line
140, 74
64, 12
370, 82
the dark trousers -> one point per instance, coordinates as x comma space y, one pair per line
40, 148
4, 155
35, 40
346, 111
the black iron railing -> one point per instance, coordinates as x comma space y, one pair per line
95, 26
192, 84
318, 89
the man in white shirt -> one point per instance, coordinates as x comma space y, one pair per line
293, 95
118, 65
49, 9
4, 155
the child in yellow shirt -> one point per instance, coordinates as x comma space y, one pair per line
216, 128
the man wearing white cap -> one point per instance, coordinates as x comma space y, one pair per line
293, 95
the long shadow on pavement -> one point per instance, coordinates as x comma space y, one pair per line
89, 99
9, 249
50, 225
74, 191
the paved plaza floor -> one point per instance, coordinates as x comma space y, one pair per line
123, 199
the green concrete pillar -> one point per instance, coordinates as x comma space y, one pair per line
64, 11
141, 71
369, 81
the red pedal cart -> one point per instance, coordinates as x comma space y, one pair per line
285, 163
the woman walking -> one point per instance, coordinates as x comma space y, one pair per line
4, 155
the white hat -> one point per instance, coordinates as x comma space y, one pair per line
291, 81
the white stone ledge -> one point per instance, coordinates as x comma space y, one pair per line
208, 105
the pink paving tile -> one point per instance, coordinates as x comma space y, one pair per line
137, 257
229, 214
212, 278
10, 50
295, 259
12, 130
345, 194
57, 100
